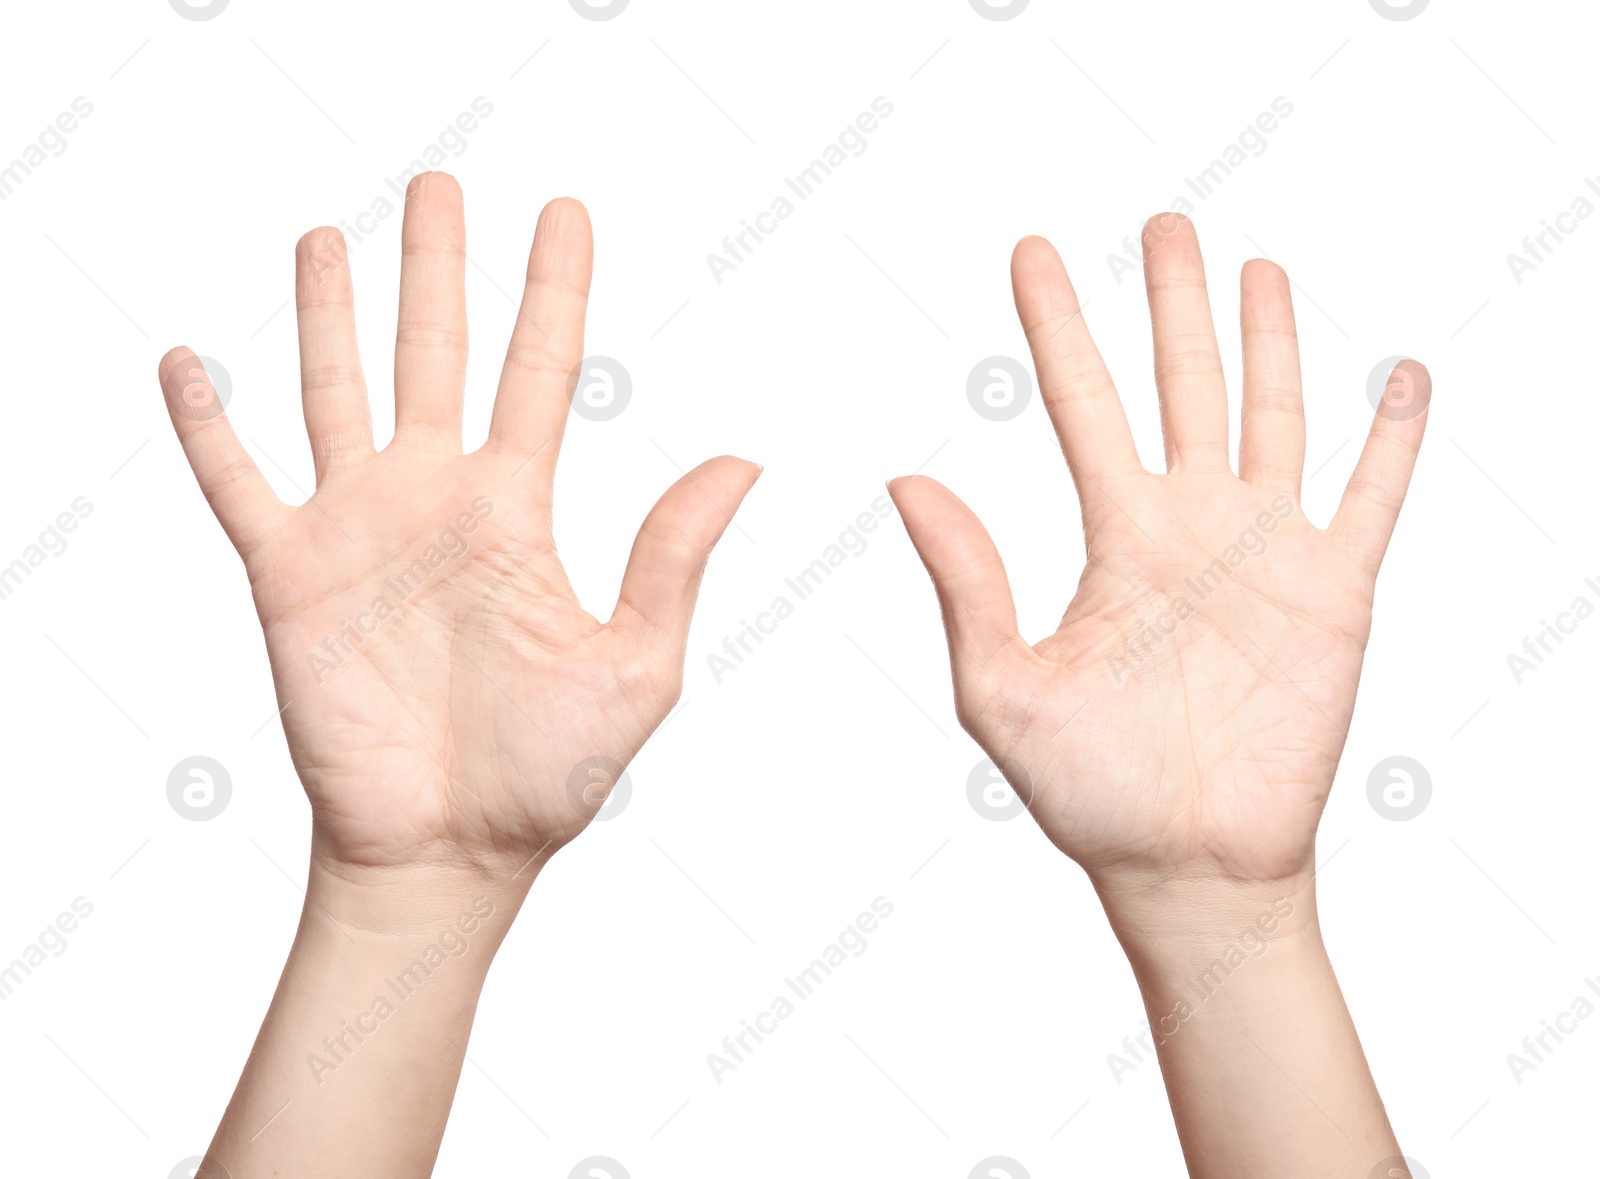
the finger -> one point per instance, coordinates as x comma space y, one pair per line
980, 620
530, 407
669, 554
1194, 399
1073, 381
332, 388
430, 354
239, 496
1272, 442
1371, 504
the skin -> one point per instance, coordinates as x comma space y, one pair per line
1186, 771
440, 746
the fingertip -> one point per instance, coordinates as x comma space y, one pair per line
1168, 227
1263, 270
1410, 387
1040, 285
928, 506
564, 213
1418, 370
727, 477
1034, 255
320, 255
734, 462
322, 242
563, 245
169, 361
187, 386
189, 389
433, 182
896, 488
746, 472
1264, 293
318, 239
900, 487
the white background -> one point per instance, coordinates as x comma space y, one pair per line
1418, 155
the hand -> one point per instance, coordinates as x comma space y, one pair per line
439, 681
1185, 719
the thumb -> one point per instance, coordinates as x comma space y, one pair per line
662, 580
980, 619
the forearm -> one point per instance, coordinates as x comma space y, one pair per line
1262, 1063
356, 1064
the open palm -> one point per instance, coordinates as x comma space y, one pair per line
443, 692
1188, 714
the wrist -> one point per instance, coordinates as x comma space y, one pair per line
1175, 921
372, 1012
1256, 1046
389, 908
1225, 955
